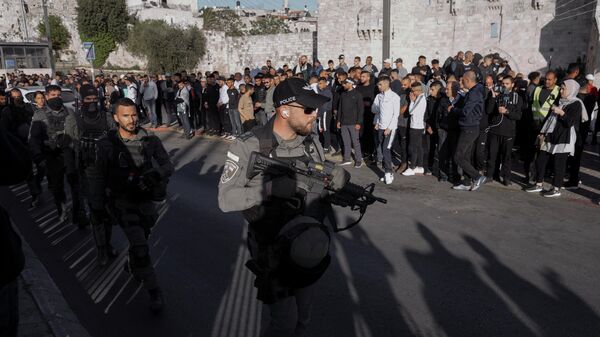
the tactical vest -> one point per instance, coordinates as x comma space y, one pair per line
89, 134
55, 128
540, 111
279, 235
123, 173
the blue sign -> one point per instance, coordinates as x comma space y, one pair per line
10, 64
90, 51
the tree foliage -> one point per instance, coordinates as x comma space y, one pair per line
167, 48
103, 17
60, 35
104, 23
225, 20
269, 25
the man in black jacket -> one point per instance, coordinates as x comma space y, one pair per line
15, 168
505, 111
349, 121
469, 117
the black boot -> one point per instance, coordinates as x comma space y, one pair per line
102, 256
156, 300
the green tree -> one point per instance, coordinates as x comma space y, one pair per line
104, 23
225, 20
154, 39
269, 25
60, 36
103, 17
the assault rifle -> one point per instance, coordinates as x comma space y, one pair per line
319, 177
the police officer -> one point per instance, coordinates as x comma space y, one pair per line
131, 173
50, 149
277, 207
84, 129
15, 118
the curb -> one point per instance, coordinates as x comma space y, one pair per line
49, 299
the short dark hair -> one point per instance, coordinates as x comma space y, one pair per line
395, 71
508, 77
534, 76
52, 87
435, 61
417, 85
357, 58
572, 68
322, 79
126, 102
248, 86
422, 57
385, 78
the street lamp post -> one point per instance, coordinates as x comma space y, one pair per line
48, 36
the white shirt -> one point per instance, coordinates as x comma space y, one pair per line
417, 112
132, 92
386, 107
223, 97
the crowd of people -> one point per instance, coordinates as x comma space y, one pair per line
459, 121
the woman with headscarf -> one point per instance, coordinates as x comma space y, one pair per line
558, 137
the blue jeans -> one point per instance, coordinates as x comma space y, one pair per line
151, 109
236, 122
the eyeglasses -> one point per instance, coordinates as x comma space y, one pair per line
307, 110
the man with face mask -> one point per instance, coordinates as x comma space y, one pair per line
131, 173
16, 119
505, 111
84, 129
51, 148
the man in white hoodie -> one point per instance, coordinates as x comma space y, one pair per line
386, 107
417, 109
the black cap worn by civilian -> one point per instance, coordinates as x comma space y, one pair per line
295, 90
341, 56
87, 90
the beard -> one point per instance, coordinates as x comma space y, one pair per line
303, 129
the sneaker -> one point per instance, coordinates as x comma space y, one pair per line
224, 135
382, 179
408, 172
346, 163
461, 187
389, 178
572, 186
419, 170
156, 300
359, 165
534, 188
554, 192
478, 183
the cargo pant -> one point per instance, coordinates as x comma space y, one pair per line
137, 220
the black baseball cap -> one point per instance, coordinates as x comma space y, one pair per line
87, 90
297, 90
341, 56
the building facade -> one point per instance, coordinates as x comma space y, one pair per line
530, 34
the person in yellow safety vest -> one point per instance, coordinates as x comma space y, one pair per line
544, 97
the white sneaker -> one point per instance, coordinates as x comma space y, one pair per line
389, 178
419, 170
408, 172
346, 163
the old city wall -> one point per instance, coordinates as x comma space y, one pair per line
226, 54
529, 34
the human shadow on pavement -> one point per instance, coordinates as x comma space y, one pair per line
206, 282
559, 313
461, 303
373, 307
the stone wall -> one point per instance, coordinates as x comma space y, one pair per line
530, 38
232, 54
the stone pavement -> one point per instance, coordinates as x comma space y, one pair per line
43, 311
